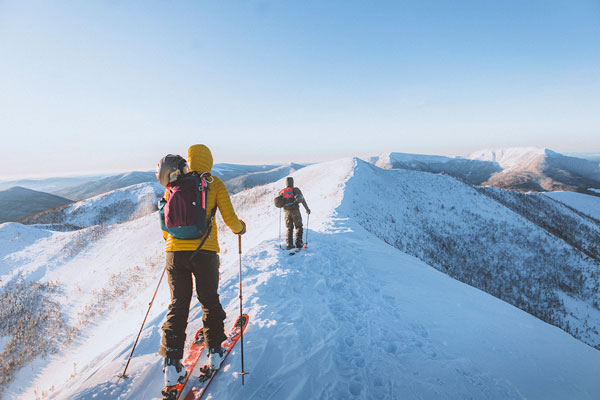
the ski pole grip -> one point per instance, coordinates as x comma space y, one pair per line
240, 244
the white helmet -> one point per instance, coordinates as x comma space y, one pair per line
170, 168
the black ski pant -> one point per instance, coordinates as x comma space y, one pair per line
204, 268
293, 218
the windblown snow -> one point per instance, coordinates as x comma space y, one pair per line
351, 317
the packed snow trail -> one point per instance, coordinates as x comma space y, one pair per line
371, 322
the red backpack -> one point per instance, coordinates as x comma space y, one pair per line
288, 197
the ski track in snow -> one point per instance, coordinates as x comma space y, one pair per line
349, 318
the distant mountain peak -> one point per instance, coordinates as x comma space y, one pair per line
510, 157
516, 168
22, 189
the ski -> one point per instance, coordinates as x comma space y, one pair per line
196, 349
295, 251
206, 374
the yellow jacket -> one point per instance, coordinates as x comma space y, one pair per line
200, 160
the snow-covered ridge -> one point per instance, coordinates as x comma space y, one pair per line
547, 163
258, 178
519, 168
229, 171
99, 186
509, 158
471, 171
353, 317
589, 205
387, 160
109, 208
477, 240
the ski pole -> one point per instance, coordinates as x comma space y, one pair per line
123, 375
279, 237
307, 219
241, 302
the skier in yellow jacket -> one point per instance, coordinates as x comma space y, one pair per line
204, 267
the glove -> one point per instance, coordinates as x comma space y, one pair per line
308, 211
243, 228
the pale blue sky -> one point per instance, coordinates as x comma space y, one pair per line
115, 85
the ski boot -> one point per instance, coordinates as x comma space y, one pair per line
174, 374
215, 357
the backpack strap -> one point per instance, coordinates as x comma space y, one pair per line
206, 235
205, 179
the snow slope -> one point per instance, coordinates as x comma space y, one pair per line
478, 240
253, 179
472, 171
227, 171
351, 317
517, 168
107, 184
109, 208
530, 168
49, 184
589, 205
387, 160
510, 158
100, 272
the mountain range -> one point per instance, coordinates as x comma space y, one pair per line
106, 184
116, 206
237, 178
50, 184
413, 285
523, 169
